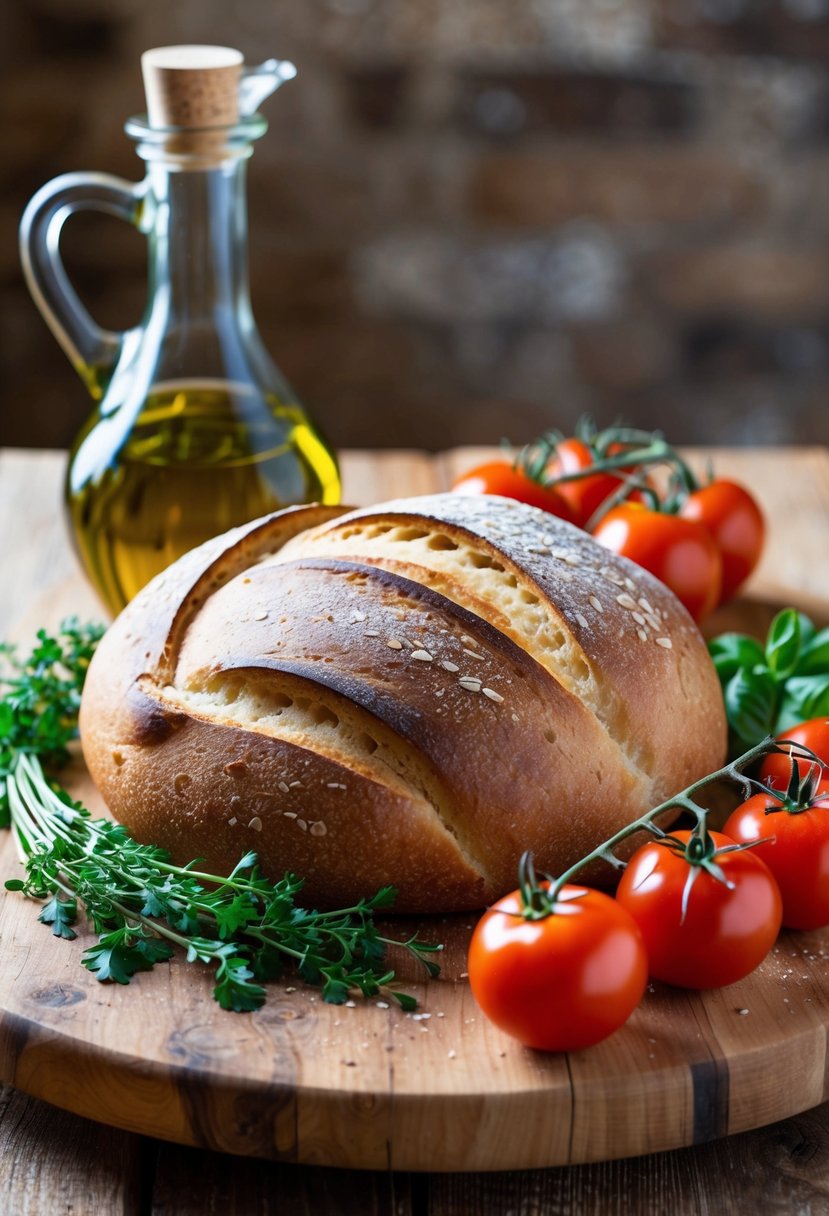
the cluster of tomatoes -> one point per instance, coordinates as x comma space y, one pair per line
562, 969
703, 541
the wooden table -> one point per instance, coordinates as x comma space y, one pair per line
52, 1162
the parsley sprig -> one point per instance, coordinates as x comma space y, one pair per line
140, 904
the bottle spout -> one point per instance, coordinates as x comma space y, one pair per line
258, 82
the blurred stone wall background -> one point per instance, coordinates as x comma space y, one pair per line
471, 218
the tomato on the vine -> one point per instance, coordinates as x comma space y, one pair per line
814, 734
678, 551
732, 516
587, 494
795, 847
500, 477
712, 932
562, 981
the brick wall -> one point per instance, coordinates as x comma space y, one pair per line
473, 218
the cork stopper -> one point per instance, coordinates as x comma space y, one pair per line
193, 87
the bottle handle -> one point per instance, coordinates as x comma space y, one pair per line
92, 350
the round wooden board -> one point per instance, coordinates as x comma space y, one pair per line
371, 1087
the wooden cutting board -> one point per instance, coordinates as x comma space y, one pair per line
371, 1087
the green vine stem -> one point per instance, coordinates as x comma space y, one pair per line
631, 483
643, 450
685, 800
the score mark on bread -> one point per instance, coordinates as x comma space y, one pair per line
412, 693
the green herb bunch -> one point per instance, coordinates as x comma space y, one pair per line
140, 904
41, 696
770, 687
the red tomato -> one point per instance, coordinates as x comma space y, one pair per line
814, 734
499, 477
560, 983
678, 551
796, 852
588, 493
733, 518
726, 932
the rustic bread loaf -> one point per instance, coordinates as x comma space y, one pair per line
411, 693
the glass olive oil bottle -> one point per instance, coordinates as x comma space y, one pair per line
195, 429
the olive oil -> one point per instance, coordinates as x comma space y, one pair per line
194, 429
199, 459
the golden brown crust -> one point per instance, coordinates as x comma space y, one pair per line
415, 706
645, 654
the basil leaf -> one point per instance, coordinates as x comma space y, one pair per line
750, 704
808, 696
783, 643
807, 630
731, 651
814, 655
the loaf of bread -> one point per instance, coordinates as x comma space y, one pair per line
412, 693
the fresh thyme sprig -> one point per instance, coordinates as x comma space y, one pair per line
140, 904
41, 695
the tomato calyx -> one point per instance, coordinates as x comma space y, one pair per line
537, 902
701, 853
802, 790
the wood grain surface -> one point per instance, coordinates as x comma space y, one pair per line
301, 1081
